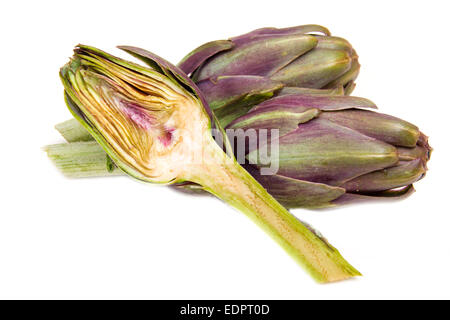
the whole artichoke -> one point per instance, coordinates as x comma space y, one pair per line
238, 73
331, 150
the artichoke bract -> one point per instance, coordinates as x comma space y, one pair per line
154, 124
238, 73
332, 149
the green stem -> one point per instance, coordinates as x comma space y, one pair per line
73, 131
81, 159
82, 150
227, 180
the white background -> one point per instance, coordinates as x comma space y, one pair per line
117, 238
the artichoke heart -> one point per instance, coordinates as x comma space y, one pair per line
140, 115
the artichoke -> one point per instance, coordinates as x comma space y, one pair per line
236, 74
333, 150
154, 124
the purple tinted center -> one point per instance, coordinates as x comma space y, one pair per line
167, 136
137, 115
142, 119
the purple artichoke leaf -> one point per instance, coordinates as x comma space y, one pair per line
193, 60
323, 152
262, 57
347, 78
380, 126
405, 173
294, 193
284, 121
337, 91
315, 69
276, 32
324, 103
225, 90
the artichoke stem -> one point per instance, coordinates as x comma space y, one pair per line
73, 131
227, 180
81, 159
